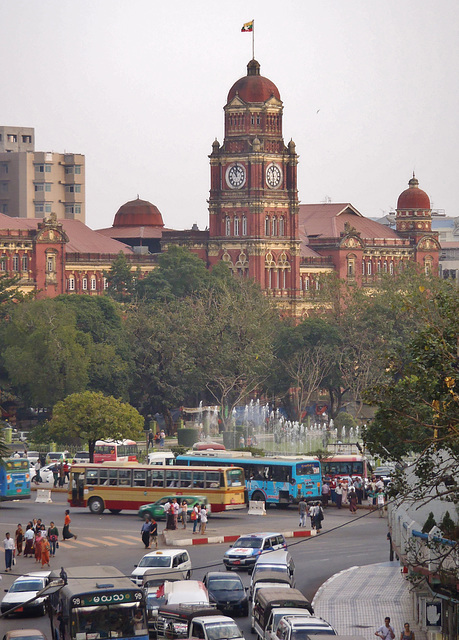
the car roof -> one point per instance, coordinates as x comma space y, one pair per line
163, 552
307, 621
221, 574
261, 535
14, 633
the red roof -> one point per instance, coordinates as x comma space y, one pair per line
82, 239
253, 87
328, 220
413, 197
132, 232
138, 213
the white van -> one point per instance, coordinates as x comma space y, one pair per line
275, 566
186, 592
174, 561
161, 457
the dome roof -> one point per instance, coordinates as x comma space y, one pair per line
138, 213
253, 87
413, 197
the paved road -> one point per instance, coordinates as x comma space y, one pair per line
115, 540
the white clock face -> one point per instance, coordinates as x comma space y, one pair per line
235, 176
273, 176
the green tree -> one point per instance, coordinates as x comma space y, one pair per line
121, 279
93, 416
42, 354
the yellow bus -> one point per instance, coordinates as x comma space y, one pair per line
117, 486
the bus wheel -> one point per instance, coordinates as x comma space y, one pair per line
115, 511
257, 496
96, 505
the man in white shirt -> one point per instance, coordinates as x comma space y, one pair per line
8, 544
386, 632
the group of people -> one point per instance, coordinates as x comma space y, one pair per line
351, 491
60, 471
178, 513
35, 541
314, 511
386, 631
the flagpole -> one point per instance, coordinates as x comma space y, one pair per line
253, 40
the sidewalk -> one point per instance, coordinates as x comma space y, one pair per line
357, 600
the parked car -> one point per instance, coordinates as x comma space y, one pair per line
173, 561
300, 628
176, 622
24, 589
24, 634
156, 509
57, 456
246, 550
80, 457
227, 592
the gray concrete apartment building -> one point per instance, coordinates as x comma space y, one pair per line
34, 184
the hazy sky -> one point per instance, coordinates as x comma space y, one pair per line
370, 93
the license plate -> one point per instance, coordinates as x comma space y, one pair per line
19, 609
237, 562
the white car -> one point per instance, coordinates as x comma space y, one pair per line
173, 561
24, 589
46, 473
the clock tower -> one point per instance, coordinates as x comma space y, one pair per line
253, 204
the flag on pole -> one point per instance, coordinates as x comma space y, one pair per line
248, 26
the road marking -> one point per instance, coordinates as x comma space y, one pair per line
102, 541
136, 538
120, 540
85, 544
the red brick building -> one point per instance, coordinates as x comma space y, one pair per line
256, 224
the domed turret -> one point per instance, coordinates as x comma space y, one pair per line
413, 197
253, 87
138, 213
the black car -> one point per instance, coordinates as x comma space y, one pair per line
227, 592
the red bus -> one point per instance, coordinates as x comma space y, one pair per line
115, 451
346, 466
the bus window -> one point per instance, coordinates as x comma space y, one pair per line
103, 476
139, 478
281, 473
185, 478
157, 478
198, 479
234, 478
212, 479
172, 478
113, 477
92, 476
124, 477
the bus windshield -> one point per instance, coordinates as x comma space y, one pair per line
234, 477
114, 621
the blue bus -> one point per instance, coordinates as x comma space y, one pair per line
14, 479
279, 481
97, 602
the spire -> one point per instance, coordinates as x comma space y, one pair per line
253, 68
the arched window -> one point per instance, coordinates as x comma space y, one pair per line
281, 226
227, 226
244, 225
16, 263
105, 284
85, 283
351, 266
363, 267
391, 268
93, 283
236, 226
71, 283
385, 267
3, 263
25, 263
378, 266
428, 265
274, 226
267, 226
369, 268
50, 263
306, 283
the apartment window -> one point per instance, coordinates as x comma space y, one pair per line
12, 137
69, 170
16, 263
39, 187
43, 168
73, 188
48, 208
25, 263
78, 169
1, 137
39, 210
26, 138
77, 208
4, 167
85, 284
4, 208
48, 186
71, 283
93, 284
4, 187
244, 225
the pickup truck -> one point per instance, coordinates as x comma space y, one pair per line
176, 622
271, 604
